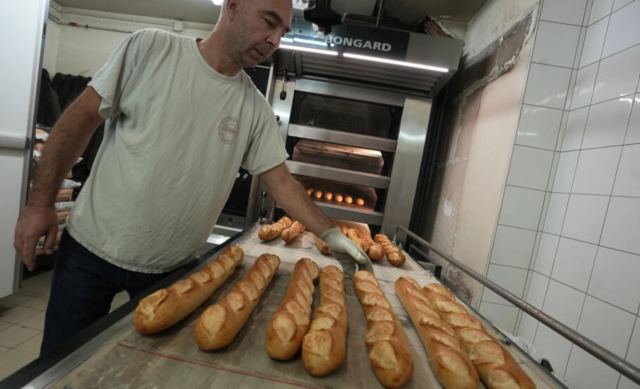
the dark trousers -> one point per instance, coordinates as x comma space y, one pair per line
82, 289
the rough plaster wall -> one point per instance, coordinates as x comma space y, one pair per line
483, 109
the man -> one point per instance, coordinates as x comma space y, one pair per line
182, 117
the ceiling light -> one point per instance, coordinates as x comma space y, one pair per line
309, 50
218, 2
286, 40
399, 63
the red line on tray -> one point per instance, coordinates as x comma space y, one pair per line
216, 367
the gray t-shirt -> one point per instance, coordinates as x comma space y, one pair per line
176, 134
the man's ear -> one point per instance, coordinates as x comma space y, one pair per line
232, 8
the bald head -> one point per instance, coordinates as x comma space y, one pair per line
252, 30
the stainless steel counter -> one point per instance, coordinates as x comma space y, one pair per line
121, 357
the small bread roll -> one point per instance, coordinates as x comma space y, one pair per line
344, 230
328, 196
360, 201
310, 191
348, 199
339, 197
318, 194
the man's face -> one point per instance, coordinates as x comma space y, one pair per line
258, 28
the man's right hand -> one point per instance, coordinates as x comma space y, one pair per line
33, 223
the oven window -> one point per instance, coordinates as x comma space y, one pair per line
339, 193
352, 116
338, 156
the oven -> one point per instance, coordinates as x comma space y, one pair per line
356, 121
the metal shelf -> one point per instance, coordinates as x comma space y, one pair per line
349, 213
342, 138
337, 174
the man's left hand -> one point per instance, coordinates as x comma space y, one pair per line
347, 252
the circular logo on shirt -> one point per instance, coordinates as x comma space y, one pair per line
228, 130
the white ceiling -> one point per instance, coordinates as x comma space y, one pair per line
204, 11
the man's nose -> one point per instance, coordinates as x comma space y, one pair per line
274, 40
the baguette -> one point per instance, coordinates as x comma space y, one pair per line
220, 323
166, 307
290, 322
292, 233
448, 358
324, 347
496, 366
322, 246
354, 235
386, 341
274, 230
394, 254
374, 250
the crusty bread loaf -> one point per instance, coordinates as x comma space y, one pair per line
354, 235
344, 230
220, 323
324, 249
292, 233
449, 359
324, 347
394, 254
166, 307
274, 230
290, 322
389, 352
373, 249
496, 366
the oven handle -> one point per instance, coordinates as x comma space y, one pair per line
606, 356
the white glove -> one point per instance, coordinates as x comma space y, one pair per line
347, 252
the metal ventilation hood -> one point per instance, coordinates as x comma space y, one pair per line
415, 63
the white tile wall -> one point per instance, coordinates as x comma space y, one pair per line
539, 127
521, 207
564, 303
564, 11
624, 30
617, 4
513, 247
546, 254
530, 167
585, 216
554, 347
500, 315
556, 44
537, 290
555, 213
547, 86
565, 172
622, 226
510, 278
607, 123
596, 171
633, 131
585, 371
583, 90
574, 262
600, 9
633, 357
615, 279
593, 42
528, 327
628, 177
617, 76
576, 124
606, 325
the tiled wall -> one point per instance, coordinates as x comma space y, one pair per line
568, 239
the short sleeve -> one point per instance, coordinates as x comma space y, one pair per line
111, 80
266, 149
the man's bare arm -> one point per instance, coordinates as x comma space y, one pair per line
294, 200
67, 141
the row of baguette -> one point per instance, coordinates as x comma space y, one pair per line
460, 350
375, 248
